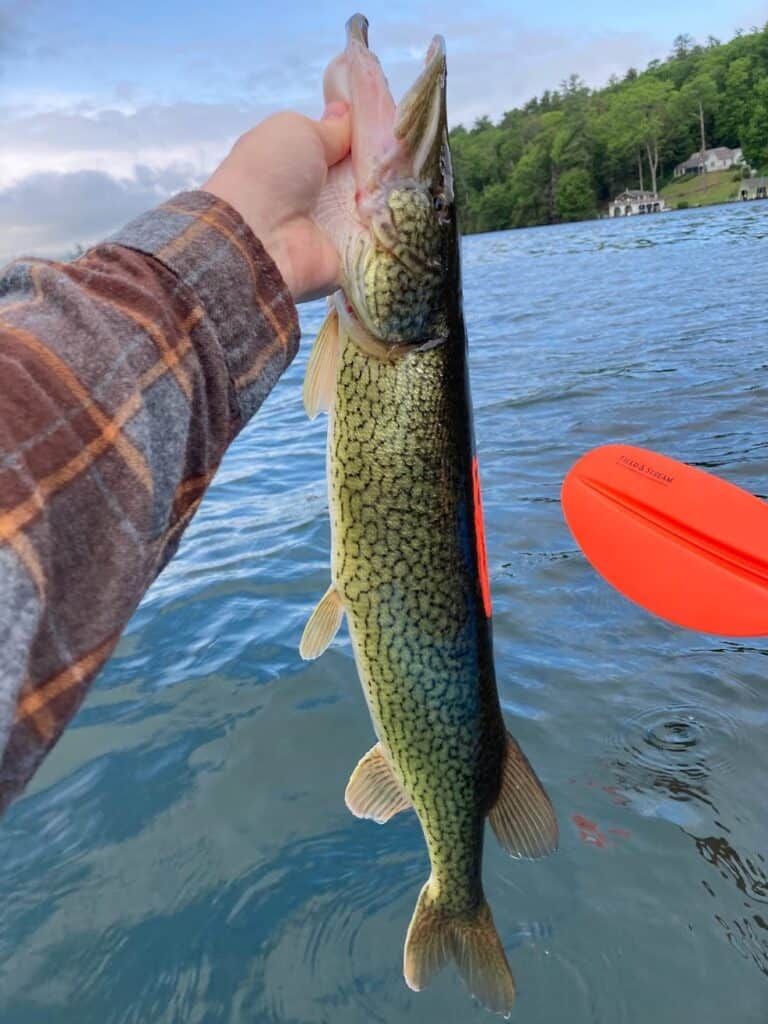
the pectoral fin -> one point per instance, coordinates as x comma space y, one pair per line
320, 379
323, 625
523, 817
373, 791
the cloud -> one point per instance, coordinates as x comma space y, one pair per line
48, 214
113, 140
75, 174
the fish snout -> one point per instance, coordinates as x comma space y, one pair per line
357, 30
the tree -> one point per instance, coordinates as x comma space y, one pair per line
682, 46
755, 132
736, 103
699, 97
493, 210
575, 198
528, 188
621, 132
649, 111
481, 164
574, 85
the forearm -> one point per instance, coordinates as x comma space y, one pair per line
123, 378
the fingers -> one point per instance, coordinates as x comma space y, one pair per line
335, 132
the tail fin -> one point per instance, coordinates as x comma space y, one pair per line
435, 935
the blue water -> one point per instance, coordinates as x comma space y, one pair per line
185, 854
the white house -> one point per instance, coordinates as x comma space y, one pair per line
718, 159
635, 201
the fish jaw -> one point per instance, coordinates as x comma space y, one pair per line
389, 142
388, 207
421, 124
357, 78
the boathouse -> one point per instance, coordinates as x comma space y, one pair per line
754, 188
635, 201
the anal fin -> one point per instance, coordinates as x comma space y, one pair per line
320, 378
373, 791
523, 817
323, 625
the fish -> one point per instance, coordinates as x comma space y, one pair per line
408, 560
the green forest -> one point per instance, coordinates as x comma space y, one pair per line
565, 154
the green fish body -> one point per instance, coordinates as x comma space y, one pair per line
405, 564
408, 570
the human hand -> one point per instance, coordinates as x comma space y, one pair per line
273, 177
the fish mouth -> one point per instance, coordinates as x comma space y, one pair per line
389, 205
391, 142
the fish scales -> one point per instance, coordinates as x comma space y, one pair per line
405, 564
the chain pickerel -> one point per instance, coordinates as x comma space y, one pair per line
408, 552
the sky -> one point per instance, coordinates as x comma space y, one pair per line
108, 108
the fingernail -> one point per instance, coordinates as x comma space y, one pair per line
335, 109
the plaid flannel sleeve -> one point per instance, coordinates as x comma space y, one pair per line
123, 378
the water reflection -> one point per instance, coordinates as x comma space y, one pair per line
749, 934
675, 751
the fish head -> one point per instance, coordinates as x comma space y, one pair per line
393, 209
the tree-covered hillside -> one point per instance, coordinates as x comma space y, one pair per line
565, 154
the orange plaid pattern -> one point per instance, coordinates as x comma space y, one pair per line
181, 317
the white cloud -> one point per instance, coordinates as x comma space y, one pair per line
113, 140
73, 170
74, 174
49, 213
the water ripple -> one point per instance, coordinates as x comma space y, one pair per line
680, 740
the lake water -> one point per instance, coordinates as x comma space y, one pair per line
185, 854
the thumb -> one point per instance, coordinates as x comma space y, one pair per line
335, 132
